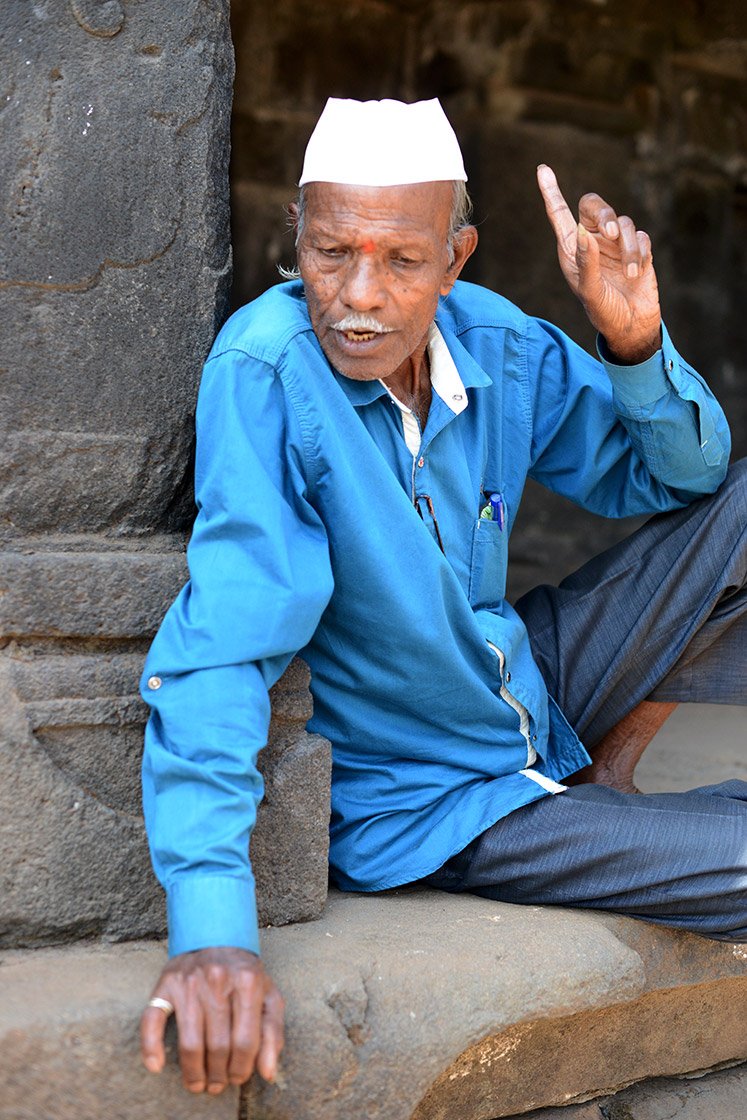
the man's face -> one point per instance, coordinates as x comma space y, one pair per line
374, 261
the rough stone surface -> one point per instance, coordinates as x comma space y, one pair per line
588, 1111
71, 743
714, 1096
407, 1005
114, 219
432, 1007
73, 857
111, 595
69, 1028
115, 265
719, 1096
115, 228
290, 843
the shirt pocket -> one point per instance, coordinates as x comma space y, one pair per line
488, 563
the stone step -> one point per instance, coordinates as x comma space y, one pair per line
715, 1096
411, 1005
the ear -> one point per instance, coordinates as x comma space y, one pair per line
465, 243
292, 212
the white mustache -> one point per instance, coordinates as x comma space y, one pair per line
360, 322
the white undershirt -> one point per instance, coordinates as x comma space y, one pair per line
445, 381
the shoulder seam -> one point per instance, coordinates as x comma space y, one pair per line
484, 324
270, 356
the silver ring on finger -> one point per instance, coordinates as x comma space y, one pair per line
162, 1005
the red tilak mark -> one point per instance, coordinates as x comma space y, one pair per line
368, 247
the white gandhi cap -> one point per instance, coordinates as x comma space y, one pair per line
382, 144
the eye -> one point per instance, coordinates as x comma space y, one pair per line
404, 260
330, 252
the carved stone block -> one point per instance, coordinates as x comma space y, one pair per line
114, 214
73, 855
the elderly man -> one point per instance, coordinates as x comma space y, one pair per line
364, 437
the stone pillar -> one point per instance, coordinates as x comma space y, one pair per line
113, 280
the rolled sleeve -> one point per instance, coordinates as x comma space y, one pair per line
260, 578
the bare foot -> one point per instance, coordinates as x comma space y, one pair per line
604, 776
615, 757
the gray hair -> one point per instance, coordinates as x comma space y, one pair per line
460, 217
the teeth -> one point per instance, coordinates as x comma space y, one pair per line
360, 336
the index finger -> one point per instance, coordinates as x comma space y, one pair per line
558, 211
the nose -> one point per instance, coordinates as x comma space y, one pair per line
363, 289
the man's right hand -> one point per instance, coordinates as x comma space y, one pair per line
229, 1017
607, 263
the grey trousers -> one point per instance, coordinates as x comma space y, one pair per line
661, 616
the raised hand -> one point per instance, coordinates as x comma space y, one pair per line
607, 263
229, 1017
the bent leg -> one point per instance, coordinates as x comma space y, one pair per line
661, 616
676, 859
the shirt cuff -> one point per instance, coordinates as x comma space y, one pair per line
210, 910
642, 384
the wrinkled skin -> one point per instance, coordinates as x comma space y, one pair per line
379, 251
229, 1014
608, 265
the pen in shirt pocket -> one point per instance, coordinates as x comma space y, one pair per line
495, 509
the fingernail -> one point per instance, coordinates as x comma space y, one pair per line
611, 229
153, 1065
583, 237
215, 1088
632, 270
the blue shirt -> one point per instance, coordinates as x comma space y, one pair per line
307, 539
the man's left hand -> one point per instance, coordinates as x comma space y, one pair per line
607, 263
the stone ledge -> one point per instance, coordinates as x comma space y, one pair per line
717, 1096
411, 1005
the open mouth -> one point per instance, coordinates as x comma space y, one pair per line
360, 336
360, 330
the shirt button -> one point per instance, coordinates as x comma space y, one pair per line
508, 676
670, 365
154, 683
421, 461
457, 397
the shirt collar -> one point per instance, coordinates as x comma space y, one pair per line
447, 380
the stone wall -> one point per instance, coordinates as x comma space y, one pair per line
114, 277
645, 103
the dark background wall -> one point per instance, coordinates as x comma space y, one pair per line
644, 103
